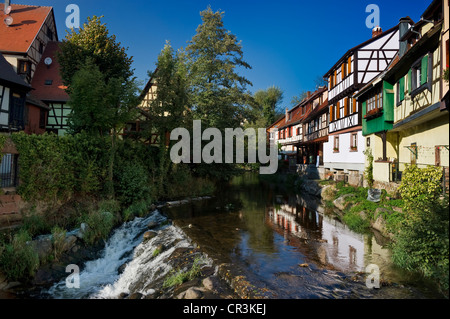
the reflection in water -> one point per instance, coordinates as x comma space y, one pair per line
268, 234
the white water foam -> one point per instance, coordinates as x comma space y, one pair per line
98, 276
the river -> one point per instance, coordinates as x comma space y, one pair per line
289, 245
286, 245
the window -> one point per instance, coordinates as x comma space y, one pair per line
24, 68
419, 75
354, 142
375, 101
48, 82
336, 144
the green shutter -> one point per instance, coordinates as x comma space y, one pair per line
410, 81
424, 71
402, 88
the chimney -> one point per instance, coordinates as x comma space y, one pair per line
403, 29
376, 31
308, 94
287, 115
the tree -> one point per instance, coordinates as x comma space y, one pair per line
93, 41
170, 109
218, 92
298, 98
101, 107
265, 106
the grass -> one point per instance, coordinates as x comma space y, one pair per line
359, 203
180, 277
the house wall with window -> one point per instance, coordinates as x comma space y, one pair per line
419, 123
343, 151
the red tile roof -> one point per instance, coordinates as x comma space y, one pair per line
28, 20
55, 91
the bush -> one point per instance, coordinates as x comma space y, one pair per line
136, 209
58, 241
18, 260
132, 184
100, 226
422, 242
35, 224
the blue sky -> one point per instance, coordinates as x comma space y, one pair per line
288, 43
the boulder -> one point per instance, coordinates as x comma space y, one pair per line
341, 202
152, 224
328, 192
69, 242
379, 224
209, 283
149, 235
193, 293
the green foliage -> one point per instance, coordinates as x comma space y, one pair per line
181, 184
100, 225
355, 222
58, 241
18, 260
55, 168
35, 224
132, 184
422, 242
368, 174
265, 106
93, 41
179, 277
420, 186
169, 110
446, 75
139, 209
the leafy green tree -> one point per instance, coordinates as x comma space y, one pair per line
101, 107
93, 41
266, 105
170, 109
219, 95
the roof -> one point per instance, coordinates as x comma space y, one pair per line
34, 101
56, 90
9, 76
426, 43
28, 20
349, 52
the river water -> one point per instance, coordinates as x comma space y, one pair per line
285, 245
292, 247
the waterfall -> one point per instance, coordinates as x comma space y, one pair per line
100, 278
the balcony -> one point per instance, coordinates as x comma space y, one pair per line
291, 140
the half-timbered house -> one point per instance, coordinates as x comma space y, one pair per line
315, 128
359, 65
50, 90
421, 120
24, 40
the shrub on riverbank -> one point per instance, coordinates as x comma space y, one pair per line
422, 241
18, 260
